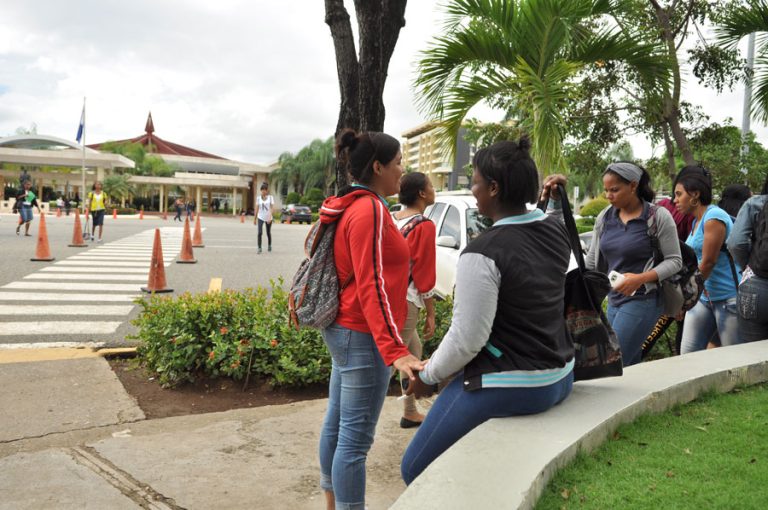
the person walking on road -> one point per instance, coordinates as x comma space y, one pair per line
97, 204
25, 201
179, 204
265, 203
416, 193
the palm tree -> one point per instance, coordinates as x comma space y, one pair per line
741, 20
118, 186
524, 55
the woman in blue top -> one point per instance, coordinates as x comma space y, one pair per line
716, 311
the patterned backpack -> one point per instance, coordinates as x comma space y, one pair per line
683, 289
313, 298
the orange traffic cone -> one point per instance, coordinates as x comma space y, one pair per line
141, 214
186, 256
58, 212
77, 233
43, 251
156, 281
197, 239
114, 214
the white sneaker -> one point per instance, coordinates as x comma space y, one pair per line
98, 240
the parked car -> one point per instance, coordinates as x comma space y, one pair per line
297, 213
457, 223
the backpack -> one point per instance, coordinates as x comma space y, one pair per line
683, 289
313, 298
411, 224
758, 257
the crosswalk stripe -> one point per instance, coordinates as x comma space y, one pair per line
122, 287
118, 259
60, 269
59, 328
40, 296
32, 310
80, 276
102, 263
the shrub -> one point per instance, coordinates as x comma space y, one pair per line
594, 206
443, 314
126, 210
229, 334
585, 224
313, 198
292, 198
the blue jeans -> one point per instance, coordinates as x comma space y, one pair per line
456, 412
359, 382
708, 319
26, 214
753, 309
633, 321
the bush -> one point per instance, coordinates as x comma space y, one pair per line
313, 198
585, 224
315, 217
126, 210
292, 198
229, 334
443, 314
594, 206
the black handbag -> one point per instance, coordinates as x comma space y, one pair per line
596, 346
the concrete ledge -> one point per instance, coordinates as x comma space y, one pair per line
507, 462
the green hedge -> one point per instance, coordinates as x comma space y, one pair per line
594, 206
229, 334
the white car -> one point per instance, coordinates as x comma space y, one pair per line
457, 223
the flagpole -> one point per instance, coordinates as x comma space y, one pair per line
82, 197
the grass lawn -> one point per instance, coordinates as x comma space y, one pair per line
709, 454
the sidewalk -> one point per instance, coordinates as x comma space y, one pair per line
71, 437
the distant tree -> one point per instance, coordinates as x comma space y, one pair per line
31, 130
118, 187
362, 75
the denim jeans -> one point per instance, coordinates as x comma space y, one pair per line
707, 319
359, 382
26, 213
753, 309
633, 321
456, 412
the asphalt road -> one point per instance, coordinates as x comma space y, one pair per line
50, 310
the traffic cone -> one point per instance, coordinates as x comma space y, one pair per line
58, 212
43, 251
77, 233
197, 239
114, 214
141, 214
186, 256
156, 281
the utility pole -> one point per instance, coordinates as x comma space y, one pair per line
747, 111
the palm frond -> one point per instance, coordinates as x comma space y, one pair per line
742, 20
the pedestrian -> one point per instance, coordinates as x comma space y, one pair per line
416, 194
748, 243
179, 204
622, 246
97, 204
226, 205
60, 204
265, 204
507, 341
25, 201
67, 205
371, 258
716, 311
190, 209
732, 198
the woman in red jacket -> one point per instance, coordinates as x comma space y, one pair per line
364, 341
416, 193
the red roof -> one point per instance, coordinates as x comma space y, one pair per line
156, 145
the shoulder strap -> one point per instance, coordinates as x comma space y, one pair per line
653, 235
411, 224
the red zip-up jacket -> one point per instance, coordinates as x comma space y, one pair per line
421, 243
369, 245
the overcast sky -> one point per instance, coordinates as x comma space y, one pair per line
243, 79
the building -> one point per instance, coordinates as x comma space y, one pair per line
424, 151
201, 176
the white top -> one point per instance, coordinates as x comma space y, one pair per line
264, 206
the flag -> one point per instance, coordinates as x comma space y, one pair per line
81, 127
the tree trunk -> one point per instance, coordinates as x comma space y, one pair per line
671, 99
361, 83
670, 151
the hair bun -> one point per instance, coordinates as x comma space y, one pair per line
524, 144
348, 139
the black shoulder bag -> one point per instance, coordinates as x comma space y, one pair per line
597, 350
